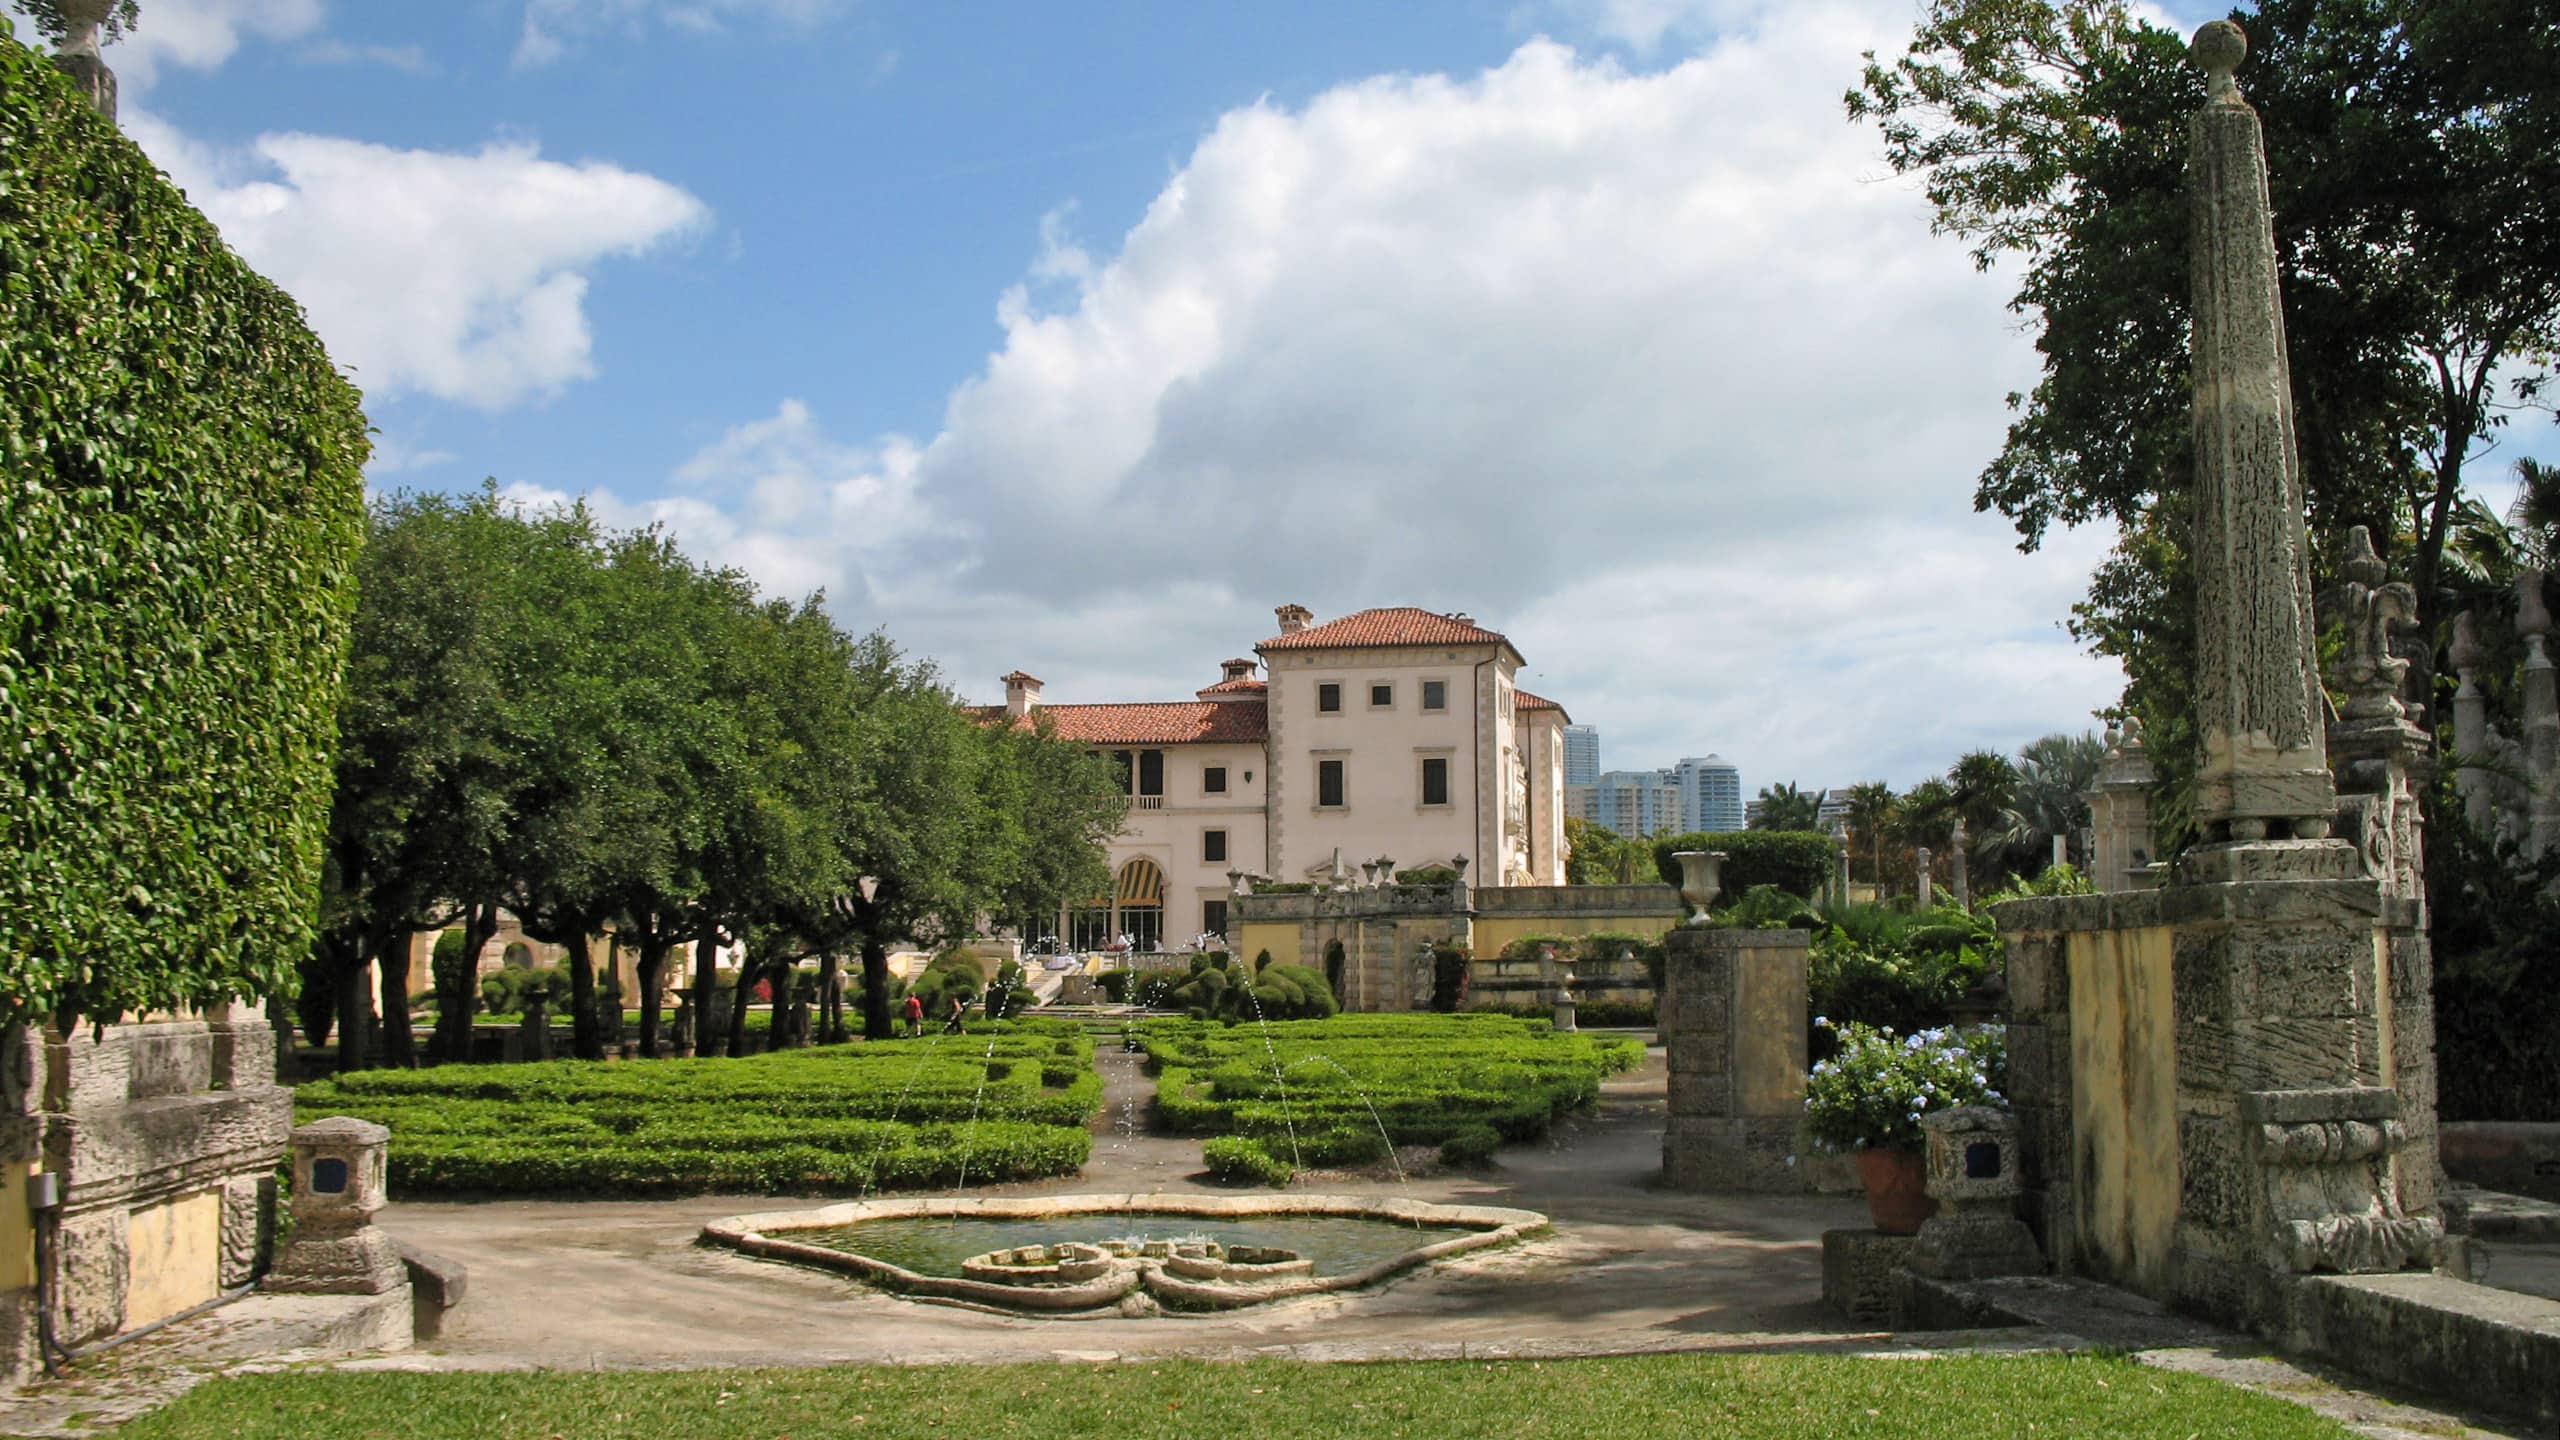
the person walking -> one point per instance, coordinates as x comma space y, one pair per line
959, 1009
915, 1015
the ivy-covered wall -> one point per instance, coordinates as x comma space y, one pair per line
181, 498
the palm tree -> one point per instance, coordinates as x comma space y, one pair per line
1923, 814
1784, 807
2049, 796
1870, 812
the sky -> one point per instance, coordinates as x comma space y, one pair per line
1075, 339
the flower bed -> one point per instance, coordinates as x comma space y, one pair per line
1421, 1079
1011, 1104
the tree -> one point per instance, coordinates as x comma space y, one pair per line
2049, 797
1871, 812
1784, 807
2414, 151
53, 21
1598, 855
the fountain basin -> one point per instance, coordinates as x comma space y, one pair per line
1192, 1273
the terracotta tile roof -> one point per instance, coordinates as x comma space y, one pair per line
1523, 700
1178, 722
1237, 687
1394, 625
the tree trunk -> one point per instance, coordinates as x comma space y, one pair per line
875, 989
288, 1057
586, 1042
830, 999
748, 966
391, 962
355, 1004
706, 980
653, 964
457, 987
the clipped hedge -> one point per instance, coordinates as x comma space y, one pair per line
1799, 862
1349, 1086
1008, 1103
180, 510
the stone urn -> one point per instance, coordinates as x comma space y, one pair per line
1897, 1184
1701, 880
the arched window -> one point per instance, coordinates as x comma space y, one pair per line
1139, 898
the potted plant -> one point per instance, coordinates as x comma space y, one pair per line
1868, 1099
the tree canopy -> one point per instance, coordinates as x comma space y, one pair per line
2414, 157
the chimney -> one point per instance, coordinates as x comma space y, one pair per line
1234, 670
1462, 617
1294, 618
1021, 694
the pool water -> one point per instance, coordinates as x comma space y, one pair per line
936, 1244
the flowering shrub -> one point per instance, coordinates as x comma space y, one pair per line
1872, 1093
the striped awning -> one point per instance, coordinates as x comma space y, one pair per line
1141, 882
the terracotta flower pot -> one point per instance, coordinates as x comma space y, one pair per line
1897, 1189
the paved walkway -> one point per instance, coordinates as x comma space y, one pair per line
617, 1283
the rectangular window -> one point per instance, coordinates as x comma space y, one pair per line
1382, 697
1151, 772
1213, 780
1213, 847
1328, 784
1435, 780
1329, 699
1213, 916
1435, 694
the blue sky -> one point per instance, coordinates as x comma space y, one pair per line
1076, 338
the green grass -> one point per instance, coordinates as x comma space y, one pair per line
1006, 1103
1675, 1397
1340, 1083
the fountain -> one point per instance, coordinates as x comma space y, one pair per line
1084, 1255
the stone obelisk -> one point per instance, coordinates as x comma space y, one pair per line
2259, 710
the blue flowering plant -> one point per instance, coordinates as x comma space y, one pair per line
1872, 1093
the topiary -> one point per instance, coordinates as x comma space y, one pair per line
180, 511
1472, 1146
1241, 1160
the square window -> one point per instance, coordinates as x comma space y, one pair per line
1213, 916
1435, 780
1213, 780
1213, 847
1435, 694
1329, 698
1381, 696
1328, 784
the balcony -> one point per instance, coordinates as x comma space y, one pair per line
1146, 802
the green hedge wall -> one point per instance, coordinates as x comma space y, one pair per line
179, 515
1799, 862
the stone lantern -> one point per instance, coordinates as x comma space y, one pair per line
338, 1187
1973, 1175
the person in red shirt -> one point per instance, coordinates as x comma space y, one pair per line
915, 1017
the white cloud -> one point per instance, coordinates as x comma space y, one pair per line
551, 25
799, 510
203, 34
410, 58
1639, 367
394, 456
459, 275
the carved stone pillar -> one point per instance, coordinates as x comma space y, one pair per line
2121, 842
2541, 716
2470, 722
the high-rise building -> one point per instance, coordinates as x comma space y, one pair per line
1710, 794
1581, 755
1637, 802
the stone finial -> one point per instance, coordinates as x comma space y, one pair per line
2217, 50
2533, 617
2466, 652
1972, 1160
2264, 771
77, 56
2376, 608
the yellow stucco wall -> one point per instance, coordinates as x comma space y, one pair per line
1494, 932
2124, 1103
1280, 940
176, 1257
1770, 1059
17, 1228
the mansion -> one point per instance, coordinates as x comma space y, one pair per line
1396, 733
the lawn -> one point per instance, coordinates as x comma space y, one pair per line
1675, 1397
1007, 1102
1337, 1091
